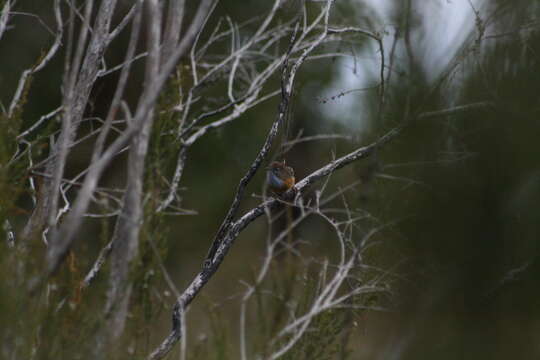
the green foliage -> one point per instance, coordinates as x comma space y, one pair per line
292, 289
14, 173
451, 209
215, 345
145, 307
322, 340
11, 174
219, 341
164, 145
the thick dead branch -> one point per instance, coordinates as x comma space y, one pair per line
65, 235
4, 17
126, 236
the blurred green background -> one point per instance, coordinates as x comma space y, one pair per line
462, 191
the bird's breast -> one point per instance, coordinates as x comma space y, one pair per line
274, 181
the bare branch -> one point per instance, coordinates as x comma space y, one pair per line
286, 90
39, 122
15, 102
175, 17
126, 235
456, 110
4, 17
64, 236
125, 21
76, 97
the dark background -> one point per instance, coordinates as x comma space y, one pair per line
464, 200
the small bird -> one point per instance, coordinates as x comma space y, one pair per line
279, 177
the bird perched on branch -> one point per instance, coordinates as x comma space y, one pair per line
279, 177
